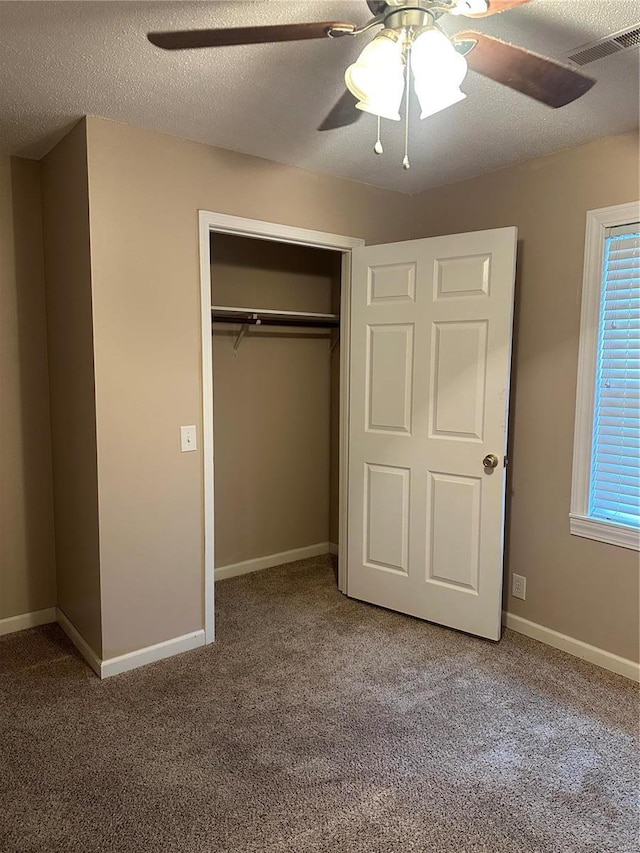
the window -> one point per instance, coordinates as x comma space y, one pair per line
605, 500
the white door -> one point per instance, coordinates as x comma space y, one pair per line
431, 327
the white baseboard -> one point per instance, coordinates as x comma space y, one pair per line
151, 654
333, 548
79, 642
271, 560
577, 648
27, 620
131, 660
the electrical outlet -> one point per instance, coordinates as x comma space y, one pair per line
519, 586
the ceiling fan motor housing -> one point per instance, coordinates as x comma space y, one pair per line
409, 19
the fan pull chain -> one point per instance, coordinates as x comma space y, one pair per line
378, 146
405, 161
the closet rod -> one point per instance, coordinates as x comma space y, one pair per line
261, 316
280, 321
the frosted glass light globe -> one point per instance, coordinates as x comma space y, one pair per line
438, 70
376, 78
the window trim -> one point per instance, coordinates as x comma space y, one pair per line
580, 524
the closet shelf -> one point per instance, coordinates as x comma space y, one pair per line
262, 316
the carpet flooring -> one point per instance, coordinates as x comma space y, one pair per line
316, 724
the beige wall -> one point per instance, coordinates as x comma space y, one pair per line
27, 566
71, 376
583, 588
271, 401
145, 190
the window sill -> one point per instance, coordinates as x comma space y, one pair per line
604, 531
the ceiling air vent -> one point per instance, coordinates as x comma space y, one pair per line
615, 43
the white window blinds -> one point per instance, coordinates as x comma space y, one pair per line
615, 465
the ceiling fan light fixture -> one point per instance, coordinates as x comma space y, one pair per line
376, 78
438, 70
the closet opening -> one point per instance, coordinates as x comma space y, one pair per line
275, 399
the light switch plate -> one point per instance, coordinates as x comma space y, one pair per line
188, 438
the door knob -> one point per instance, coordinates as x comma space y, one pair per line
490, 461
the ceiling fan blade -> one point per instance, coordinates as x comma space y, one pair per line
189, 39
343, 113
540, 78
496, 6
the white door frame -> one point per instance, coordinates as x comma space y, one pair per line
224, 224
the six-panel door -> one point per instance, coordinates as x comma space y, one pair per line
430, 362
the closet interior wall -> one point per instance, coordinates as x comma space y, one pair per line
275, 401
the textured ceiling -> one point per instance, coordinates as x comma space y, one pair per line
61, 60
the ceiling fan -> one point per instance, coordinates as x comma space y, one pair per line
410, 40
